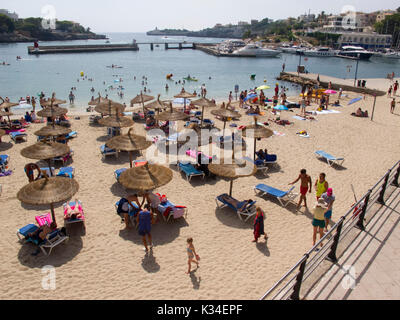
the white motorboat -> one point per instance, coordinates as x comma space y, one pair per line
320, 52
390, 54
355, 53
253, 50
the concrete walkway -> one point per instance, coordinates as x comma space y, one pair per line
369, 268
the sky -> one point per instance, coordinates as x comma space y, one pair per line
145, 15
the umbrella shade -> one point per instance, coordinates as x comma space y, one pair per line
281, 107
52, 112
147, 177
156, 105
141, 98
203, 102
329, 91
354, 100
44, 150
128, 142
52, 101
171, 115
231, 169
6, 105
263, 87
98, 100
109, 107
185, 94
48, 190
256, 131
225, 113
50, 131
116, 122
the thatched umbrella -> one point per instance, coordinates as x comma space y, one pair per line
203, 103
225, 114
45, 150
171, 115
48, 191
6, 105
98, 100
116, 122
141, 98
256, 131
128, 142
52, 102
52, 112
157, 105
185, 95
229, 169
50, 131
109, 107
145, 178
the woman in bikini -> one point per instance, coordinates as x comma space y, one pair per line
191, 254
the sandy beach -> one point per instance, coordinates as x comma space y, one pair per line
107, 262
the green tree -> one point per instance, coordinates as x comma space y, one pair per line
6, 24
247, 34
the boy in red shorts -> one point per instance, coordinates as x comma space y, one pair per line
304, 186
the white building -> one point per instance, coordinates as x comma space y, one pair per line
365, 40
13, 15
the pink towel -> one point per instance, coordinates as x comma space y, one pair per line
44, 219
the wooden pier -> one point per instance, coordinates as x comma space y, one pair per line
83, 48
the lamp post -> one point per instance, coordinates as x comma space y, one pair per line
355, 76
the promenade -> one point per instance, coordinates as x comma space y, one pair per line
369, 268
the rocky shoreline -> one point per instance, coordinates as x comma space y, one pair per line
48, 36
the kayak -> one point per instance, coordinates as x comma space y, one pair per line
190, 79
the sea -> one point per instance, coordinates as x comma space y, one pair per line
148, 68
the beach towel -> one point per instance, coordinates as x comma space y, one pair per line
44, 219
298, 118
279, 134
5, 173
327, 112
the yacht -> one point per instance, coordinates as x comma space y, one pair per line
254, 50
389, 54
355, 53
320, 52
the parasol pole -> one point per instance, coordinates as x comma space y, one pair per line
202, 117
49, 162
230, 188
53, 216
141, 97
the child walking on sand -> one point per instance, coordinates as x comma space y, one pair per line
191, 254
305, 182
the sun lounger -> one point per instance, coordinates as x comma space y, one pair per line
73, 205
117, 173
241, 209
52, 240
260, 164
66, 172
64, 159
18, 136
189, 170
208, 123
330, 159
4, 159
113, 132
282, 196
47, 171
71, 135
271, 159
168, 210
24, 231
107, 151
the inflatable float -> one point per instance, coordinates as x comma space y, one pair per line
190, 79
169, 76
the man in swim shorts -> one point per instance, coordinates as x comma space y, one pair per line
304, 186
318, 220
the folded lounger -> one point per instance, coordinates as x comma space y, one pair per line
282, 196
260, 164
66, 172
247, 210
168, 210
189, 170
73, 205
330, 159
18, 136
107, 151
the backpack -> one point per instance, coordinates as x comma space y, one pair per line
121, 202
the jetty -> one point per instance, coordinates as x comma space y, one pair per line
83, 48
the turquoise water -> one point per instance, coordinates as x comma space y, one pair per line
59, 72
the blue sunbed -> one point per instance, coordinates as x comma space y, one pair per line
117, 173
107, 151
66, 172
330, 159
15, 136
260, 164
282, 196
240, 207
189, 170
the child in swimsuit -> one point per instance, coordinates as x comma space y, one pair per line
191, 254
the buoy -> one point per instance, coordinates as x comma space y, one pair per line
265, 80
82, 73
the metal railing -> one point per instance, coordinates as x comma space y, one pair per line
289, 286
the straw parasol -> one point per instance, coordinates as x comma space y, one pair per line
171, 115
224, 114
98, 100
203, 103
256, 131
157, 105
109, 107
5, 113
185, 95
128, 142
50, 131
52, 102
52, 112
7, 105
116, 122
232, 170
45, 150
145, 178
141, 98
48, 191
